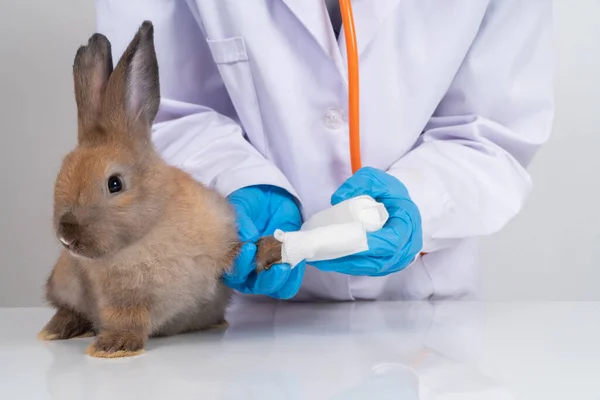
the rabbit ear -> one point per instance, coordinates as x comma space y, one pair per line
133, 92
92, 68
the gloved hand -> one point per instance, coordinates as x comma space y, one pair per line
260, 211
392, 248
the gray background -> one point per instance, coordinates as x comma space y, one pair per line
549, 252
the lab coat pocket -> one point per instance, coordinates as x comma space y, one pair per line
234, 65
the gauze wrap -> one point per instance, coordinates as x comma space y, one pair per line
338, 231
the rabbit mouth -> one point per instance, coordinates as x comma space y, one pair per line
81, 250
70, 245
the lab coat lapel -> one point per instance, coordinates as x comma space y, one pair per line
368, 17
316, 21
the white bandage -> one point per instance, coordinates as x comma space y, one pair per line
336, 232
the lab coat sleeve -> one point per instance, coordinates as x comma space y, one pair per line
196, 128
467, 172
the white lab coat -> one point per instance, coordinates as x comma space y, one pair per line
456, 98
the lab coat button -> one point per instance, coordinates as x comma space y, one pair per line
333, 119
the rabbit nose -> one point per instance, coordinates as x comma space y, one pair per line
68, 229
68, 218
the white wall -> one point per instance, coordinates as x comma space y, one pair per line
548, 252
38, 39
552, 249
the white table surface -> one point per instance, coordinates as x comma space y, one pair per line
374, 351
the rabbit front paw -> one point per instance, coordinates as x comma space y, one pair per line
66, 324
117, 345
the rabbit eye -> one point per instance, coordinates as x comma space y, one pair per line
115, 184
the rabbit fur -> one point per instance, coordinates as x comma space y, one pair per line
145, 245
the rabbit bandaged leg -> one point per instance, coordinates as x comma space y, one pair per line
336, 232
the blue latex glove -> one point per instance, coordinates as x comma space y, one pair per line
260, 211
393, 247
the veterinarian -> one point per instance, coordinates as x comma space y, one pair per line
456, 99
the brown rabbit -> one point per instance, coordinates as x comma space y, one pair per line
145, 244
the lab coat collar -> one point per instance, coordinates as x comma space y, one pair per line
368, 16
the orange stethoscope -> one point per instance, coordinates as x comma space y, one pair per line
353, 88
353, 82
